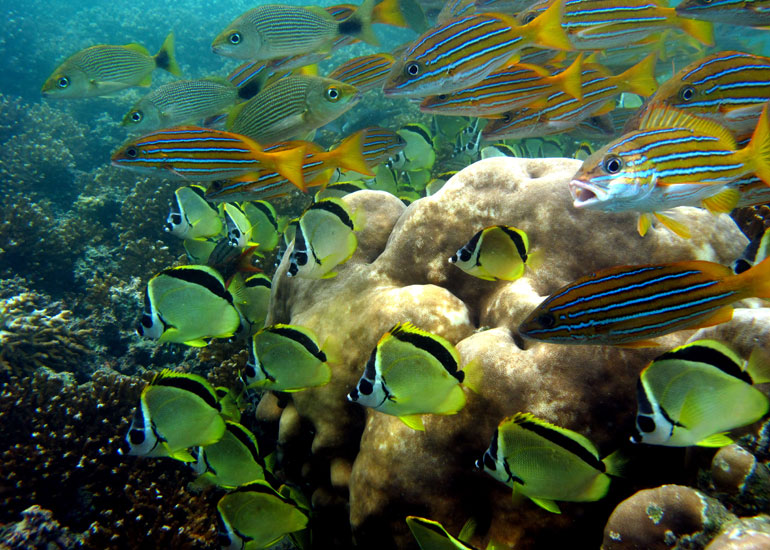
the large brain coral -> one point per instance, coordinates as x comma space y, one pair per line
400, 273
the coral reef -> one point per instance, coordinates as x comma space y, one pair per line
36, 332
668, 517
400, 273
37, 530
61, 442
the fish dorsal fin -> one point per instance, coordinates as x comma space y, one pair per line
246, 438
138, 48
189, 382
712, 353
441, 349
664, 116
573, 442
301, 335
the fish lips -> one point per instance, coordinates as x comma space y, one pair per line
586, 195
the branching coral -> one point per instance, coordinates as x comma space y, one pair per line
35, 332
61, 444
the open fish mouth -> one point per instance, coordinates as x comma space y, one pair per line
584, 194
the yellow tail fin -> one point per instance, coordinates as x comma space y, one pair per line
547, 29
757, 152
349, 155
639, 79
568, 81
702, 31
388, 12
289, 163
756, 280
165, 58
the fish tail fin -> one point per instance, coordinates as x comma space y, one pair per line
349, 155
616, 463
568, 81
640, 79
359, 24
474, 374
388, 12
289, 164
165, 58
758, 366
547, 30
702, 31
535, 259
756, 280
757, 151
332, 348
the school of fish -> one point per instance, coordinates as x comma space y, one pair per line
511, 72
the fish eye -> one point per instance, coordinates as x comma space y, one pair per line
412, 69
529, 18
612, 164
442, 97
546, 320
136, 437
645, 423
235, 38
704, 2
332, 94
137, 116
507, 118
216, 185
687, 93
63, 82
365, 387
131, 152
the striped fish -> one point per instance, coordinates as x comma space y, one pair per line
104, 69
367, 72
379, 144
202, 154
511, 7
562, 112
729, 87
629, 305
250, 77
655, 168
465, 50
276, 30
180, 102
748, 13
598, 24
292, 107
455, 8
317, 168
512, 88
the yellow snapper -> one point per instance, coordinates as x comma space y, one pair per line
546, 463
186, 304
286, 358
559, 112
675, 159
276, 30
692, 394
729, 87
175, 411
413, 372
181, 102
749, 13
104, 69
495, 253
292, 107
255, 516
230, 462
465, 50
324, 238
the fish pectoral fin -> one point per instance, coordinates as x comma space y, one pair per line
716, 440
644, 223
414, 421
546, 504
676, 227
